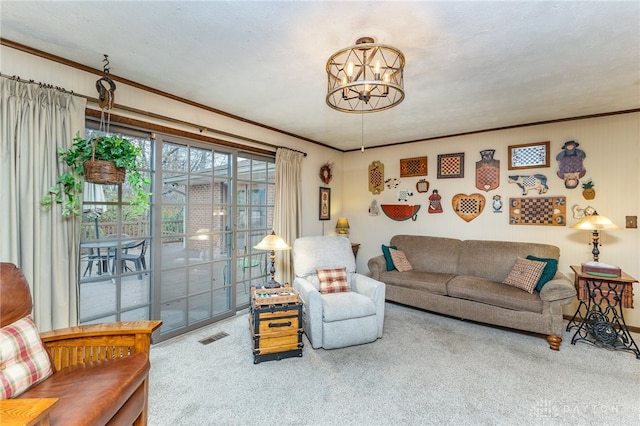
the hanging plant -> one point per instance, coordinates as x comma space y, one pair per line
85, 155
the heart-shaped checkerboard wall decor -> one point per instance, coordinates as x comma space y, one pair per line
468, 207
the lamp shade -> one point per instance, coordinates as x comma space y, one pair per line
272, 242
342, 226
595, 222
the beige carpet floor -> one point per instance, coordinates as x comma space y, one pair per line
426, 370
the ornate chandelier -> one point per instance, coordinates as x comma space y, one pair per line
366, 77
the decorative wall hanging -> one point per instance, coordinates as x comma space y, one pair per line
324, 210
570, 164
588, 193
487, 171
550, 211
376, 177
496, 204
404, 194
451, 165
435, 205
422, 186
529, 155
326, 173
392, 183
374, 210
416, 166
528, 183
468, 207
579, 213
401, 212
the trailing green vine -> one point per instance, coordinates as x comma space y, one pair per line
68, 188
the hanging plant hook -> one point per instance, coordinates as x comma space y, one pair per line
106, 94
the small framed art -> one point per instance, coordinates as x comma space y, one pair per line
451, 165
416, 166
324, 210
529, 155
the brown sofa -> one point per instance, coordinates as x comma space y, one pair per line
101, 371
463, 279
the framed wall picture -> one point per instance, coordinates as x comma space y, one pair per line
451, 165
324, 211
529, 155
416, 166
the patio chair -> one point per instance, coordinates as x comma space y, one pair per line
102, 256
246, 263
138, 259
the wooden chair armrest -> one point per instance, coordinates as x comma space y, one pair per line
95, 342
26, 411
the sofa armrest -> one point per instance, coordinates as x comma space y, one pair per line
376, 265
374, 290
560, 287
312, 312
78, 345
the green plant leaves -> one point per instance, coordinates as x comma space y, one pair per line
110, 148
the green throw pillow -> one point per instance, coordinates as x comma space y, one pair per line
549, 270
387, 256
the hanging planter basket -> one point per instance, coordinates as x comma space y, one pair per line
101, 171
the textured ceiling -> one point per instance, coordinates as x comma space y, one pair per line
469, 65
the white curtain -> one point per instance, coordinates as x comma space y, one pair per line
34, 122
287, 220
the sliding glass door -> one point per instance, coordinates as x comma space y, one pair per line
190, 260
213, 206
116, 245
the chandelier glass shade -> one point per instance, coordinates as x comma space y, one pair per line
366, 77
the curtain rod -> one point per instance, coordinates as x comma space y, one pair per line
39, 83
291, 149
152, 115
189, 124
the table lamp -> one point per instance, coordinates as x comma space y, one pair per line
595, 223
272, 242
342, 226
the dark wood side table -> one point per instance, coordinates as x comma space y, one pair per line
599, 318
355, 247
275, 319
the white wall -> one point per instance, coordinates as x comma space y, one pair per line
611, 144
613, 155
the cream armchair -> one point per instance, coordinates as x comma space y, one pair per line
336, 320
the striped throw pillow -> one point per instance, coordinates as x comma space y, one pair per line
333, 280
525, 274
23, 359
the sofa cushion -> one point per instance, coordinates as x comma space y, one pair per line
493, 293
493, 260
525, 274
23, 359
400, 261
429, 254
549, 270
428, 281
92, 393
333, 280
343, 306
387, 256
